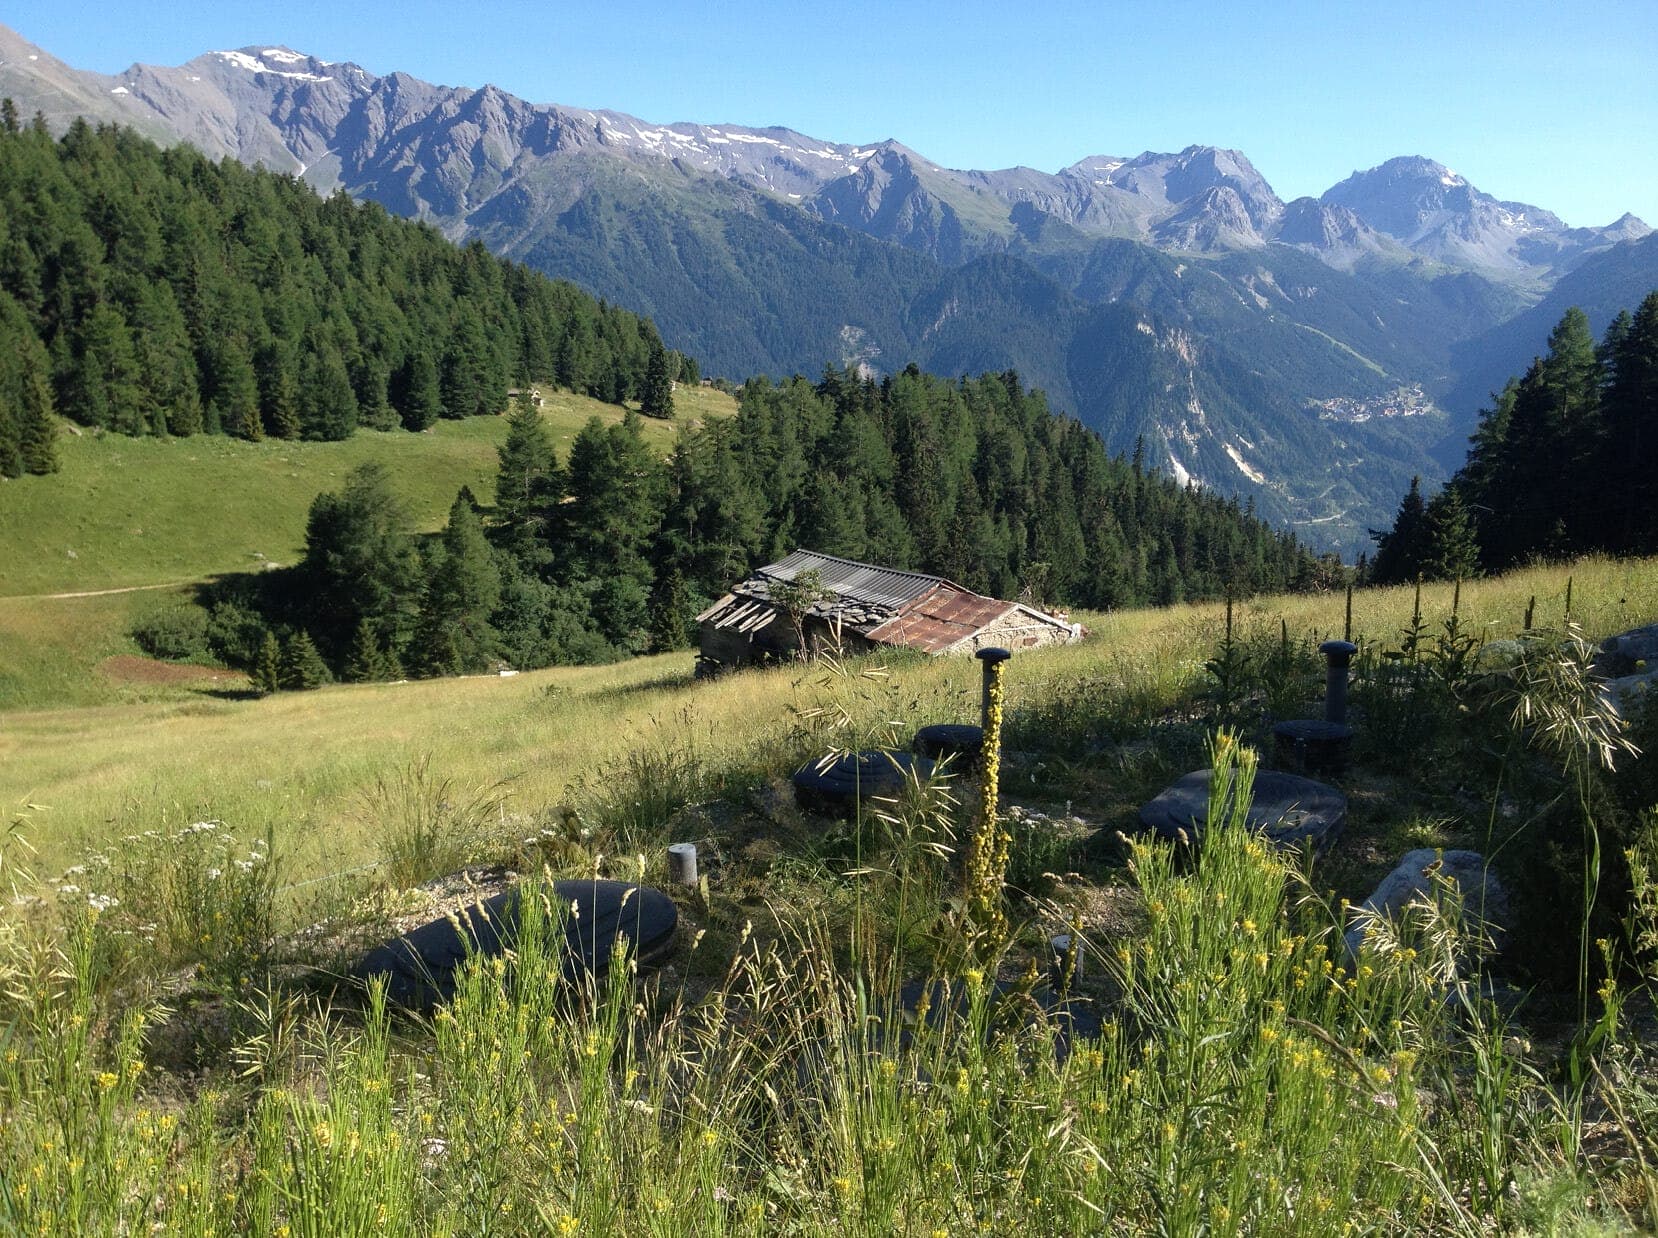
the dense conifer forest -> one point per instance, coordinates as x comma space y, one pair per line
1561, 465
150, 291
614, 550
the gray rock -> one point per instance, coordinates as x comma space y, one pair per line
1621, 654
1484, 901
1629, 693
1287, 810
1500, 654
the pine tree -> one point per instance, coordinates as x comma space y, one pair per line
1399, 550
301, 667
657, 397
267, 668
366, 661
670, 613
1449, 550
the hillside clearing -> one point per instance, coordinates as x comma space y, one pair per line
127, 512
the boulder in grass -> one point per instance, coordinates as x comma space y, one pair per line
421, 966
1624, 653
1469, 877
1286, 809
1629, 694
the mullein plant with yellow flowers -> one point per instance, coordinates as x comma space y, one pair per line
985, 869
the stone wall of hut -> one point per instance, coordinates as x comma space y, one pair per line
1018, 629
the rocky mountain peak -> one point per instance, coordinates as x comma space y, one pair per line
341, 126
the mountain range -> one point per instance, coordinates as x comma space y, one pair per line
1309, 356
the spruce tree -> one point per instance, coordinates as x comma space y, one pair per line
329, 410
1554, 430
38, 431
366, 661
657, 397
267, 667
279, 391
463, 588
422, 397
301, 667
235, 400
1399, 550
105, 382
1449, 550
670, 613
1627, 481
527, 481
360, 564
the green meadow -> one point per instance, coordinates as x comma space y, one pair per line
296, 761
155, 516
126, 512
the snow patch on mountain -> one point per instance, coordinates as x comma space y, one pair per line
255, 65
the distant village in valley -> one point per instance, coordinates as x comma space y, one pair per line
1407, 401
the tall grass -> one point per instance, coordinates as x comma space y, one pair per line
1251, 1077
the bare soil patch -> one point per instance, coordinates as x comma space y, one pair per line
129, 668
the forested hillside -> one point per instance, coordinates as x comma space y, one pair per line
1561, 465
614, 551
155, 292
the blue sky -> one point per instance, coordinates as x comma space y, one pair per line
1544, 103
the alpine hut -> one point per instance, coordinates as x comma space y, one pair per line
814, 601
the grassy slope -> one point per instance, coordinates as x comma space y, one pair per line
299, 762
142, 513
125, 512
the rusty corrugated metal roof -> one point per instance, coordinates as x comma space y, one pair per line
943, 617
885, 605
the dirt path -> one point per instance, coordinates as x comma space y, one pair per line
96, 593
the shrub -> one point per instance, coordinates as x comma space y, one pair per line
235, 633
177, 632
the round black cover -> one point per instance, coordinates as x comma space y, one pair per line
1313, 744
835, 787
950, 739
420, 965
1287, 809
